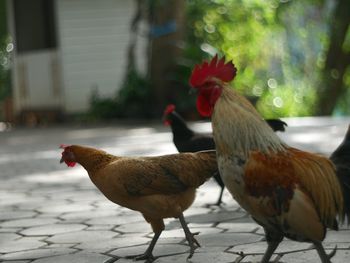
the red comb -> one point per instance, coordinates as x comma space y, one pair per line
69, 164
169, 109
216, 68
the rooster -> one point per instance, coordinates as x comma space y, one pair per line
187, 140
158, 187
289, 192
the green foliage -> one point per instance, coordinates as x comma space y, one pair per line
5, 89
134, 100
135, 96
278, 47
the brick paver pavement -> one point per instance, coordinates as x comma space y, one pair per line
51, 213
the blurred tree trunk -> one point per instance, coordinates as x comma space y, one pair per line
139, 15
166, 36
332, 86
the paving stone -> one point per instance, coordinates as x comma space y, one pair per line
52, 229
126, 260
180, 232
81, 196
135, 227
11, 215
196, 225
82, 236
341, 256
258, 258
260, 247
9, 198
179, 258
217, 257
16, 261
343, 245
80, 257
5, 237
213, 217
227, 239
67, 196
20, 244
116, 220
49, 215
10, 229
196, 211
37, 253
303, 257
62, 245
31, 203
88, 215
28, 222
337, 236
113, 243
169, 240
234, 227
290, 246
100, 227
106, 205
159, 250
65, 208
52, 190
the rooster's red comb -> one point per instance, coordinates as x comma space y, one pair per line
216, 68
169, 109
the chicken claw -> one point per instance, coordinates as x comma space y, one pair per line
325, 258
192, 241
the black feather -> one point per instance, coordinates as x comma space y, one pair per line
341, 158
276, 124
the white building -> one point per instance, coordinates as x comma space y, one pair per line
65, 49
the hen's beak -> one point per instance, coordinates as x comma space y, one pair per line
61, 161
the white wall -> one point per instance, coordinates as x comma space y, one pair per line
37, 80
93, 40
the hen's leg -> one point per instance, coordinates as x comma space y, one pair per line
322, 253
218, 203
273, 240
158, 227
193, 243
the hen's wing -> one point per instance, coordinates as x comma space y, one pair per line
169, 174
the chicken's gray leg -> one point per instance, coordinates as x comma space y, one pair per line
273, 240
148, 253
193, 243
218, 203
322, 253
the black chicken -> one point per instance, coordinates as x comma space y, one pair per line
187, 140
341, 158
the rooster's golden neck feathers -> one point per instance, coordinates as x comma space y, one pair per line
244, 129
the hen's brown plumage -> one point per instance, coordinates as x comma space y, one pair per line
158, 187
